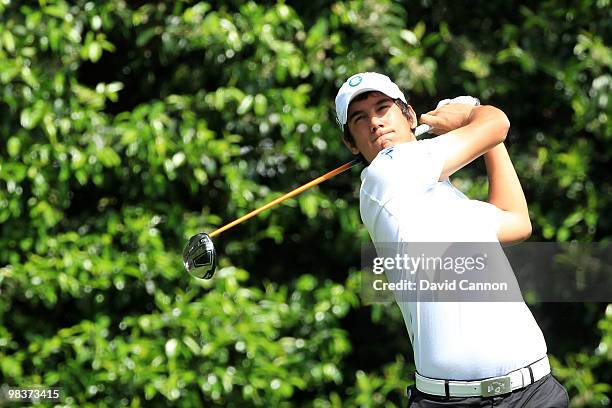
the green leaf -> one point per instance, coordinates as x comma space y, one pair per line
8, 41
58, 10
13, 146
245, 105
94, 51
108, 157
29, 118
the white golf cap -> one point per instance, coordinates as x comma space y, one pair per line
360, 83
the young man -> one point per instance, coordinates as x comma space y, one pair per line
466, 353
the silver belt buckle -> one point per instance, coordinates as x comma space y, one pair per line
495, 386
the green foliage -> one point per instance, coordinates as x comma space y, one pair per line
126, 127
233, 344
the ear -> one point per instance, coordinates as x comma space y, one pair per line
351, 146
413, 118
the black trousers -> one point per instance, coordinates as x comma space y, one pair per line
544, 393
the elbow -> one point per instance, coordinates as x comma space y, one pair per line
525, 231
514, 228
528, 231
504, 127
500, 125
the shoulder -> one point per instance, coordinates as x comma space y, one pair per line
396, 156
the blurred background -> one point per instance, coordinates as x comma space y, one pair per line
128, 126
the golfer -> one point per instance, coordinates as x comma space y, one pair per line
466, 353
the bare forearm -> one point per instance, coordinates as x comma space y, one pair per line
487, 126
505, 191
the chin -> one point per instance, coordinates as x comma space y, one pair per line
387, 143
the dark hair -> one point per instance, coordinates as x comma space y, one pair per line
347, 133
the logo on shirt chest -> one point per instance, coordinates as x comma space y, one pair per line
388, 151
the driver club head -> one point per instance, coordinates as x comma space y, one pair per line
199, 256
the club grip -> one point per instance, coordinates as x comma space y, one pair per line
422, 129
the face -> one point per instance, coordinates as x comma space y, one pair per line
376, 123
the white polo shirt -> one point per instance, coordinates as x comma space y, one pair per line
401, 200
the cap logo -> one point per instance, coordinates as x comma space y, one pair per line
354, 81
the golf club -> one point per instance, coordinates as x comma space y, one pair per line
199, 255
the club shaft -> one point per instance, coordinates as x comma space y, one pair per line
290, 194
418, 132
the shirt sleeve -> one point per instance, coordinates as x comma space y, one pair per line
489, 216
428, 162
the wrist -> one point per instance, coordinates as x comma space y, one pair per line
497, 150
477, 112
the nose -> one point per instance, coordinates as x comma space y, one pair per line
375, 123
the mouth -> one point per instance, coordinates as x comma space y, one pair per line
386, 136
383, 137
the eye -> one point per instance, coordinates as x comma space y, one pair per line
358, 118
383, 107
